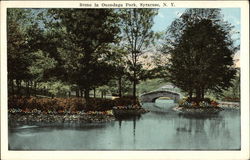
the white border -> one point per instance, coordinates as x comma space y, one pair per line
244, 56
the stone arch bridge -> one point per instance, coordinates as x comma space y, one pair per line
152, 96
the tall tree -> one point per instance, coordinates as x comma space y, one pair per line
201, 51
117, 58
87, 32
23, 39
136, 25
17, 65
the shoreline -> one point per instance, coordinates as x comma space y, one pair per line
197, 110
91, 117
112, 115
205, 110
50, 118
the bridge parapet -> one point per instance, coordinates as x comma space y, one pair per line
152, 96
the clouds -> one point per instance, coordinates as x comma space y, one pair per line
231, 15
161, 15
167, 15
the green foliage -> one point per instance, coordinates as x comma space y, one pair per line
77, 47
57, 88
193, 102
150, 85
232, 93
136, 27
87, 34
18, 55
201, 52
40, 63
27, 61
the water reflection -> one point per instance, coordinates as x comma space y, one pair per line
151, 131
131, 118
208, 132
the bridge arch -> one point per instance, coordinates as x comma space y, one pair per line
152, 96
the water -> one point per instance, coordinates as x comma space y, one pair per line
160, 129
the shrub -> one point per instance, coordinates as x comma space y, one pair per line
46, 104
125, 101
194, 102
98, 104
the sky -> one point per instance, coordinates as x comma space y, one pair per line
167, 15
232, 15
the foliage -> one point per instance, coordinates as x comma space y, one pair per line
77, 47
87, 34
40, 64
150, 84
117, 58
136, 27
21, 39
125, 101
46, 104
59, 50
201, 52
233, 93
194, 102
65, 105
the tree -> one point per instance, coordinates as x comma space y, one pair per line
117, 58
87, 33
23, 39
136, 25
201, 52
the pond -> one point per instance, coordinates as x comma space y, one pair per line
160, 129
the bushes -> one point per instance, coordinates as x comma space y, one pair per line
206, 102
63, 105
231, 99
125, 101
46, 104
98, 104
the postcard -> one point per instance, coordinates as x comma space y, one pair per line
124, 80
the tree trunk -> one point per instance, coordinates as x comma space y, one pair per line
120, 86
94, 93
86, 95
35, 85
81, 92
27, 88
69, 93
190, 94
44, 91
18, 84
198, 94
102, 94
134, 88
77, 92
12, 87
202, 93
31, 88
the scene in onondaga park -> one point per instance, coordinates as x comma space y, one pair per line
123, 79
